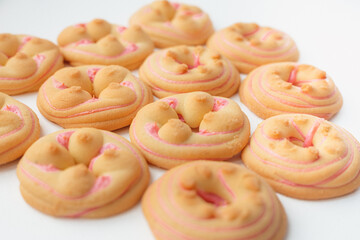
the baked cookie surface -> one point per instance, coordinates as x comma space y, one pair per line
248, 46
188, 127
213, 200
99, 42
26, 62
304, 157
170, 24
85, 172
105, 97
183, 69
290, 88
19, 128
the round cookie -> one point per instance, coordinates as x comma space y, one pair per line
85, 173
19, 128
26, 62
188, 127
105, 97
99, 42
247, 46
184, 69
213, 200
304, 157
290, 88
170, 24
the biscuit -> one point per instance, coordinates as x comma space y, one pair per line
19, 128
26, 62
249, 45
184, 69
213, 200
105, 97
304, 157
99, 42
85, 173
188, 127
290, 88
170, 24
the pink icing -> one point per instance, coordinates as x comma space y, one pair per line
14, 109
91, 72
58, 85
39, 59
219, 103
121, 29
292, 76
80, 25
173, 102
101, 151
130, 48
175, 5
128, 84
83, 42
309, 137
24, 41
63, 138
211, 198
43, 168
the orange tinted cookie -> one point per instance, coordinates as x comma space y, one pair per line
213, 200
305, 157
86, 173
26, 62
105, 97
184, 69
170, 24
99, 42
290, 88
188, 127
249, 45
19, 128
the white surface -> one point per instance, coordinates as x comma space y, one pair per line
327, 34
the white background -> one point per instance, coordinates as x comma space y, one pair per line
328, 36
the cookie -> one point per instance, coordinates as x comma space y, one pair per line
105, 97
213, 200
290, 88
99, 42
26, 62
249, 45
183, 69
85, 173
170, 24
19, 128
188, 127
304, 157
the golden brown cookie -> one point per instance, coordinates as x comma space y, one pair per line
304, 157
290, 88
170, 24
249, 45
99, 42
213, 200
183, 69
86, 173
105, 97
26, 62
188, 127
19, 128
